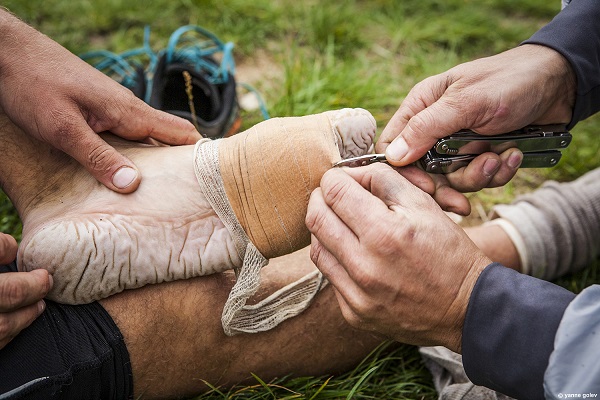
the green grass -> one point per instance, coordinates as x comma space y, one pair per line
390, 372
347, 53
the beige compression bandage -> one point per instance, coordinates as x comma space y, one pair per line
259, 183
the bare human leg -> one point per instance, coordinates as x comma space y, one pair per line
176, 342
173, 330
97, 243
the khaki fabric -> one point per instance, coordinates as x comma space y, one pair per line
269, 172
259, 183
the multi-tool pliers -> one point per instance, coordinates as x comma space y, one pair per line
541, 146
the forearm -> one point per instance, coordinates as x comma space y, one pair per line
558, 226
22, 46
10, 28
575, 33
509, 331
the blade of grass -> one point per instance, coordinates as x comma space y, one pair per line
360, 382
314, 396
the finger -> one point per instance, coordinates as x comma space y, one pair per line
14, 322
8, 249
437, 186
347, 312
511, 161
107, 165
330, 267
143, 121
486, 171
325, 225
153, 142
387, 187
448, 198
345, 288
438, 120
349, 198
418, 177
20, 289
477, 174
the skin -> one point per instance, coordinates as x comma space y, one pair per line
65, 102
21, 294
172, 330
387, 275
496, 244
317, 342
398, 265
70, 124
526, 85
96, 242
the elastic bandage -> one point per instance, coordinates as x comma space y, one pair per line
259, 183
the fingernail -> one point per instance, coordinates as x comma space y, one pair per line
515, 160
490, 167
124, 177
41, 306
50, 281
397, 149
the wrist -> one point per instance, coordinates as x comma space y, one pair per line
458, 308
500, 241
7, 31
560, 83
14, 35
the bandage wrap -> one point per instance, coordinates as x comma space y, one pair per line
238, 317
259, 183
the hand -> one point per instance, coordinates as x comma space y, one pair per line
399, 265
438, 187
526, 85
21, 293
56, 97
495, 168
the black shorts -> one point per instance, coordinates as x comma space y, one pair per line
68, 352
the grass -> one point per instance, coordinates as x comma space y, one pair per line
322, 55
390, 372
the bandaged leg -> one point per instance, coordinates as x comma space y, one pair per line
97, 243
261, 192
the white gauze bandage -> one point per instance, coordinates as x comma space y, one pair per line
259, 183
237, 315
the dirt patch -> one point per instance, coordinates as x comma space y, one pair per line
260, 71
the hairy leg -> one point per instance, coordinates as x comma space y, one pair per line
180, 343
173, 330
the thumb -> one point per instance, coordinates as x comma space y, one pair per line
423, 130
107, 165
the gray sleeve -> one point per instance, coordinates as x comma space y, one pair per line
559, 225
573, 367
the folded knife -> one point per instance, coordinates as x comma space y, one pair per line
540, 144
